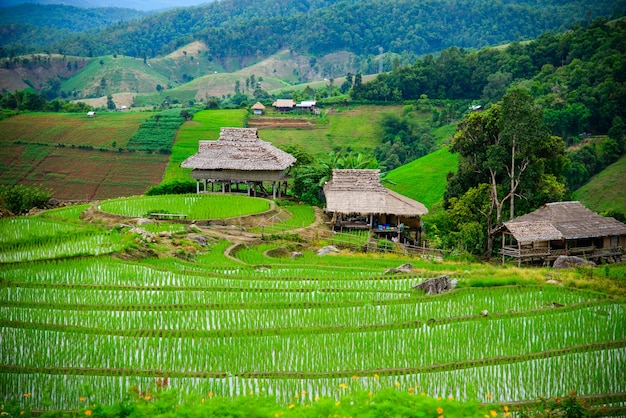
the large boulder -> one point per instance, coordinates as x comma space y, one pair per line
404, 268
437, 285
327, 250
566, 261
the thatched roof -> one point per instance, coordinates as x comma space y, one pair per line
238, 149
258, 106
360, 191
284, 103
563, 220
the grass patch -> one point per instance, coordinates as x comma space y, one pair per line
354, 129
424, 179
607, 190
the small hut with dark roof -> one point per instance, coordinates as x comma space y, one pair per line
239, 157
358, 200
563, 228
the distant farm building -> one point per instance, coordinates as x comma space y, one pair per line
358, 200
284, 105
240, 160
307, 105
258, 108
562, 228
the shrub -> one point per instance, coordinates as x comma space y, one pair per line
173, 187
19, 199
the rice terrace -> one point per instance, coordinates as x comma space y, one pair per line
102, 303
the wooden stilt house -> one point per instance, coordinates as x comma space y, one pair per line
562, 228
358, 200
240, 160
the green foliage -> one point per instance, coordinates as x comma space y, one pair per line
308, 180
405, 138
172, 187
20, 199
504, 152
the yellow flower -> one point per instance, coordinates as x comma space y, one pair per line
489, 396
296, 396
88, 412
148, 397
397, 384
440, 416
506, 408
317, 398
376, 376
507, 414
303, 392
493, 413
202, 400
440, 410
355, 376
370, 394
337, 403
210, 394
451, 398
343, 386
292, 406
27, 395
81, 399
411, 389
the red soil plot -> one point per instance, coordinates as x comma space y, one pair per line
76, 174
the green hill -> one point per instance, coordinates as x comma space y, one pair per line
607, 190
424, 179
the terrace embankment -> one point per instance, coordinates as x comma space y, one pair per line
273, 123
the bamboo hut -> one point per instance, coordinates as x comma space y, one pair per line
358, 200
240, 158
562, 228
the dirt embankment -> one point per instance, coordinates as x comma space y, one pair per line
273, 123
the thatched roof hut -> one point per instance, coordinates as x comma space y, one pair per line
563, 220
564, 227
358, 200
284, 104
360, 191
258, 108
239, 156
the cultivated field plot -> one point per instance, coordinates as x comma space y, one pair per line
91, 327
76, 174
71, 129
30, 154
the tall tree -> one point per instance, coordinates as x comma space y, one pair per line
509, 148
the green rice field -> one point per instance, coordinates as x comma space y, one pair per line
80, 319
194, 206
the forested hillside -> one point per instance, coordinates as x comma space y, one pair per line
33, 27
240, 28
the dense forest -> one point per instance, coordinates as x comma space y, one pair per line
240, 28
577, 77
